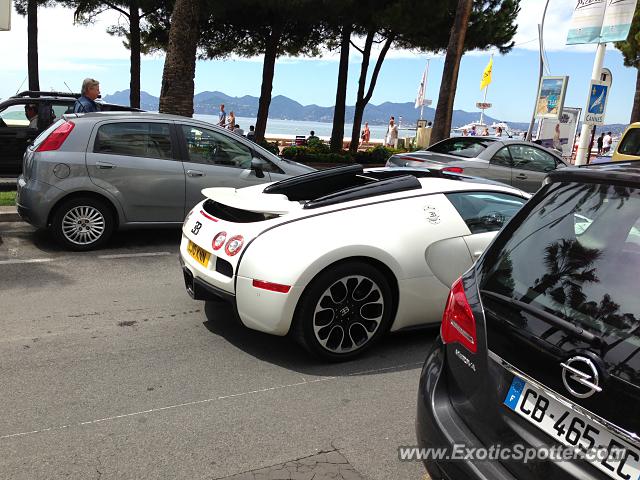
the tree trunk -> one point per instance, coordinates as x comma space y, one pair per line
455, 49
176, 94
635, 112
363, 99
134, 46
32, 45
268, 69
337, 132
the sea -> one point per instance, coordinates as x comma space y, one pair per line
290, 128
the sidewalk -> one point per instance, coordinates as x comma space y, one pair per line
9, 214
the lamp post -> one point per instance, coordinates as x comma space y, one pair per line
541, 42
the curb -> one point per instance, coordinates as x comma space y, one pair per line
9, 214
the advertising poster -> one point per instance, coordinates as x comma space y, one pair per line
559, 133
601, 21
617, 20
551, 97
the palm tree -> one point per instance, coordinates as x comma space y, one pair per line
176, 94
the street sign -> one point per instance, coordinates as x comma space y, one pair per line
597, 103
5, 15
483, 105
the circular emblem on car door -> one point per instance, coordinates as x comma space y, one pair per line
432, 214
580, 376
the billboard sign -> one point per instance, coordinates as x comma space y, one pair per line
559, 133
601, 21
551, 97
597, 103
5, 15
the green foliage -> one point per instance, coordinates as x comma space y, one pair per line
271, 147
631, 47
315, 145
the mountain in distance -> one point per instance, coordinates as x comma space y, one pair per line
284, 108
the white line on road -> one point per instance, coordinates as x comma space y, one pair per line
208, 400
131, 255
28, 260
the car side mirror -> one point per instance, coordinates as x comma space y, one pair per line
257, 165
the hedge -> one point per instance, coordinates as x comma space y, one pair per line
310, 154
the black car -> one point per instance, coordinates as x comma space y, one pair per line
17, 130
540, 341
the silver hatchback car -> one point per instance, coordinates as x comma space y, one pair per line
87, 175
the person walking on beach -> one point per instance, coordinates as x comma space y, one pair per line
90, 91
600, 143
366, 134
391, 138
222, 116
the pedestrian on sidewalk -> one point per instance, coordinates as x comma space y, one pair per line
251, 134
86, 102
366, 134
600, 143
391, 138
606, 143
222, 116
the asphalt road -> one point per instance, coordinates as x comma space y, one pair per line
109, 370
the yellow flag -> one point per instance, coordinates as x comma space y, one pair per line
486, 75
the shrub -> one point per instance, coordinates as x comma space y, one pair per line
271, 146
315, 145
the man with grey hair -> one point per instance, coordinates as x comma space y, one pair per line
90, 91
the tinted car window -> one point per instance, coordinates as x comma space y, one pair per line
135, 139
14, 116
577, 256
208, 146
630, 144
502, 158
460, 146
531, 158
485, 211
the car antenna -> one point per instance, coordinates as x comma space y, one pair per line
65, 84
25, 79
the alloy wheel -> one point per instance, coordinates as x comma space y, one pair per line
83, 225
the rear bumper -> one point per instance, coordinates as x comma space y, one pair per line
438, 425
198, 289
34, 201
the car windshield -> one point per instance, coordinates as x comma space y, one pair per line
630, 144
461, 146
577, 257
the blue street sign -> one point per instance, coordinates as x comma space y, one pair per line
597, 103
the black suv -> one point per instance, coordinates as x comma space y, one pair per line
17, 131
539, 347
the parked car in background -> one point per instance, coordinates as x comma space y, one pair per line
628, 147
521, 164
341, 256
540, 339
17, 131
87, 175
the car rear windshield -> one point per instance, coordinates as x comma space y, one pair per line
467, 147
630, 144
576, 256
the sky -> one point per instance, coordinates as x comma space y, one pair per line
69, 53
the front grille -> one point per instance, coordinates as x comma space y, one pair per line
224, 267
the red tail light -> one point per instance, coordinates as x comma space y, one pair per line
458, 323
234, 245
56, 138
453, 169
274, 287
218, 240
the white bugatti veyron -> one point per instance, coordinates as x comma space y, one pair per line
341, 256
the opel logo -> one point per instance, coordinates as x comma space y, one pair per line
580, 377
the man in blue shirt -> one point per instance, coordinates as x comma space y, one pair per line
222, 116
90, 91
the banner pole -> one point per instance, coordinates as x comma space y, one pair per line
582, 155
540, 41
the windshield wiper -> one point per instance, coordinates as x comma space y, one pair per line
549, 318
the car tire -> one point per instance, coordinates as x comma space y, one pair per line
83, 223
344, 311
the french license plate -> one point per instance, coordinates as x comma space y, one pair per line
574, 430
198, 253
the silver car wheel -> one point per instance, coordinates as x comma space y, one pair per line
348, 314
83, 225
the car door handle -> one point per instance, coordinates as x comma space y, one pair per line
521, 176
105, 165
195, 173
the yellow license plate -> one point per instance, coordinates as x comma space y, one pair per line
199, 254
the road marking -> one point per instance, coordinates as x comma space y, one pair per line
28, 260
132, 255
208, 400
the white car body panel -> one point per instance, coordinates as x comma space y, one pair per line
406, 232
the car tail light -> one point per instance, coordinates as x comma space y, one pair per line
458, 323
56, 138
453, 169
218, 240
274, 287
234, 245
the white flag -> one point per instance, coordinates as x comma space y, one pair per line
422, 88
